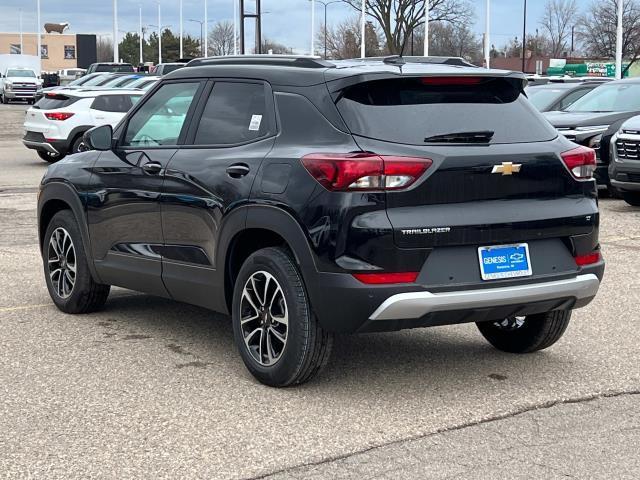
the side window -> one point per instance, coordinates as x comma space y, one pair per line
572, 97
234, 113
112, 103
160, 120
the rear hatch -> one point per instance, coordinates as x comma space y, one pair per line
51, 103
497, 176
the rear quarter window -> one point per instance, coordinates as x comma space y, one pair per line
112, 103
412, 110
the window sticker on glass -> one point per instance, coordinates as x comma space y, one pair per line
256, 120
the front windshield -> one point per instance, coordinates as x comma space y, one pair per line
543, 97
615, 97
21, 73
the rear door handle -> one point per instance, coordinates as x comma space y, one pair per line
238, 170
152, 167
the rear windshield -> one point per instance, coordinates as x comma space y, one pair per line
52, 101
432, 109
114, 68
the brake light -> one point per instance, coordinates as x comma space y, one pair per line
364, 171
59, 116
386, 278
588, 259
581, 162
446, 81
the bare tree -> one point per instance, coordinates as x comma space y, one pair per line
275, 47
449, 40
104, 50
343, 40
597, 30
398, 18
556, 23
220, 41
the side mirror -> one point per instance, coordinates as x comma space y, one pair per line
99, 138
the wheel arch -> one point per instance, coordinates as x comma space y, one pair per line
261, 226
55, 197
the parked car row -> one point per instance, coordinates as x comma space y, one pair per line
55, 125
599, 115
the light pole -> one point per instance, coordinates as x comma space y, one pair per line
159, 35
326, 4
39, 41
362, 29
201, 22
181, 50
206, 33
619, 40
313, 25
524, 38
426, 28
235, 27
21, 40
116, 54
140, 34
487, 36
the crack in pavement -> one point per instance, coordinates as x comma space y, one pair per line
495, 418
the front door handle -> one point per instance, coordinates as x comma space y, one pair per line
238, 170
152, 167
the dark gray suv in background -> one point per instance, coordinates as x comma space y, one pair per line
307, 198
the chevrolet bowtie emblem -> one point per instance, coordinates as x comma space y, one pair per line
507, 168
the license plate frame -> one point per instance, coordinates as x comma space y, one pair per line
509, 261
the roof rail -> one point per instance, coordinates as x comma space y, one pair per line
275, 60
397, 60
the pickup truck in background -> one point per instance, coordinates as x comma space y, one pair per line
19, 78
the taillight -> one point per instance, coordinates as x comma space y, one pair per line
581, 162
59, 116
588, 259
340, 172
386, 278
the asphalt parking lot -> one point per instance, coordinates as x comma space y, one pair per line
150, 388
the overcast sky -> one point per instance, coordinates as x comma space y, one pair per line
287, 22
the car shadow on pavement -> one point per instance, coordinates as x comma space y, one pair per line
433, 358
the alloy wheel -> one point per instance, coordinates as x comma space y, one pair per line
61, 260
264, 318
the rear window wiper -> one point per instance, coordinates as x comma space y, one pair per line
462, 137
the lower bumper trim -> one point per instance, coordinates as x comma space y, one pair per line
418, 304
47, 147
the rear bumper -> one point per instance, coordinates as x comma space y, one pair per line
344, 305
41, 146
582, 289
37, 141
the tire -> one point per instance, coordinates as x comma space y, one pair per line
632, 198
3, 100
78, 144
71, 292
49, 157
306, 347
526, 334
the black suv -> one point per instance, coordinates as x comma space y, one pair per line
307, 198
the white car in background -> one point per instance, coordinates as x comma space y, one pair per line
54, 126
68, 75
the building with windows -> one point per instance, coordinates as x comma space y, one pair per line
59, 51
